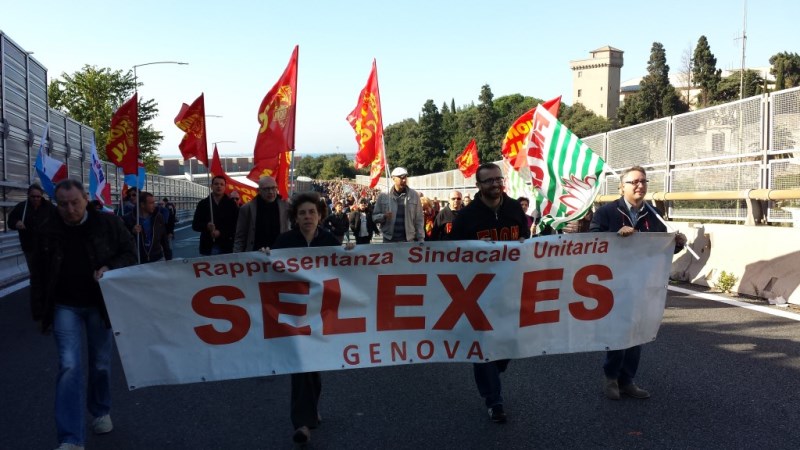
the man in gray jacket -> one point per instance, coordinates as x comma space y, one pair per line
261, 219
399, 212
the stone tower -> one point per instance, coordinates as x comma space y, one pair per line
595, 81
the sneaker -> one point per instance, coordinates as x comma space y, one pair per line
102, 425
497, 414
612, 389
66, 446
302, 435
634, 391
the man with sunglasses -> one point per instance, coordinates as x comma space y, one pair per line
399, 212
625, 216
491, 216
261, 219
443, 224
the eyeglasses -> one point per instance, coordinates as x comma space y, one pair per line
268, 188
498, 180
456, 198
637, 182
402, 177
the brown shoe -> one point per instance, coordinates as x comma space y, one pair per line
633, 391
612, 389
302, 435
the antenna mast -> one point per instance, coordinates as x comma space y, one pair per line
744, 47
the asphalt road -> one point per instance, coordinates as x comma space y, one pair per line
721, 377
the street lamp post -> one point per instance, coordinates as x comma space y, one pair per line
135, 78
222, 142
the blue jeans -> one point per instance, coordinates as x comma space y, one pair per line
487, 378
621, 365
68, 325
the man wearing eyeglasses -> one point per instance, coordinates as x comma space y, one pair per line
491, 216
443, 224
261, 219
399, 212
625, 216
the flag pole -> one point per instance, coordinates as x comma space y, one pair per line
291, 177
294, 129
25, 210
386, 166
139, 234
210, 200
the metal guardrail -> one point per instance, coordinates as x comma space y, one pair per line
14, 268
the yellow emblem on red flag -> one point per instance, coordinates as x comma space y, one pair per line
468, 160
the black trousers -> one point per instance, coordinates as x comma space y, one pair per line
306, 388
363, 239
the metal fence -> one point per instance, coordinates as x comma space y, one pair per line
23, 115
748, 144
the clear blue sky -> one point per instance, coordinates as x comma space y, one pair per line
237, 49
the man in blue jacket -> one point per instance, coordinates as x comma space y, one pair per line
625, 216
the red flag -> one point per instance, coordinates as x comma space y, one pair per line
278, 168
246, 193
276, 115
122, 147
468, 161
516, 134
367, 120
192, 120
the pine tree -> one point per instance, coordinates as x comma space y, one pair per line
487, 149
706, 74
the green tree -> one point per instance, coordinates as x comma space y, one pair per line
780, 77
448, 128
92, 95
706, 74
308, 166
432, 138
336, 166
657, 97
583, 122
787, 64
488, 148
403, 143
729, 87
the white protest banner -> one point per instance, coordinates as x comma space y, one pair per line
326, 308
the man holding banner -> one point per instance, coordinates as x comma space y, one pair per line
493, 216
76, 247
625, 216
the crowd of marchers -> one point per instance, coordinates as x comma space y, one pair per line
69, 246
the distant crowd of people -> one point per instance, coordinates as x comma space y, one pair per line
68, 248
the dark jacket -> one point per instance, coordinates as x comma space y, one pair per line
160, 247
110, 244
355, 223
478, 221
613, 216
225, 215
170, 217
294, 238
33, 222
443, 224
245, 236
337, 223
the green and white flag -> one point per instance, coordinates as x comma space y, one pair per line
565, 173
516, 186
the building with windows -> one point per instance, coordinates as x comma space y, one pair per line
596, 81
